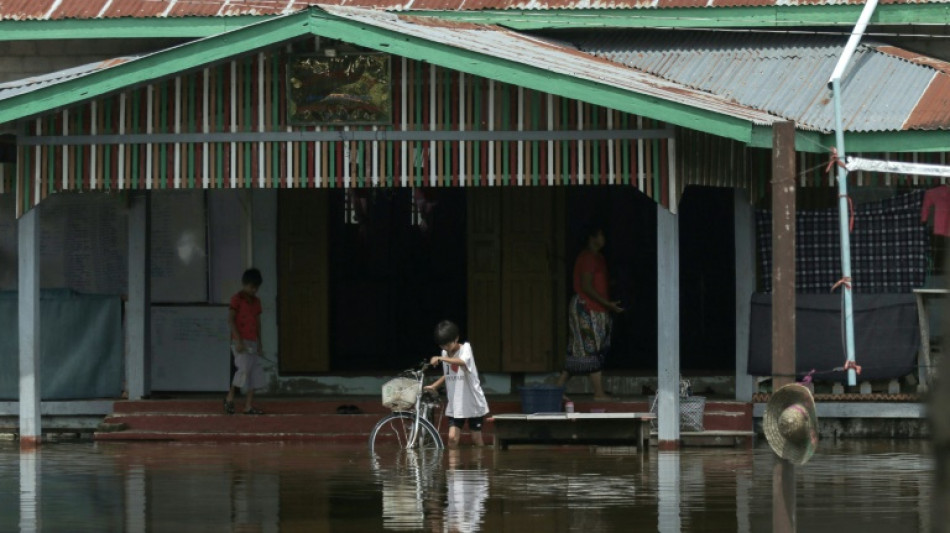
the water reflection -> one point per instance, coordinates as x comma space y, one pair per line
881, 486
467, 487
29, 492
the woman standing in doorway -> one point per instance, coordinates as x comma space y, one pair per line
589, 319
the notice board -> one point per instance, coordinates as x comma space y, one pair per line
190, 348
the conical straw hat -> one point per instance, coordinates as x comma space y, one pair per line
790, 423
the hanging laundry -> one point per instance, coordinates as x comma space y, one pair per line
939, 199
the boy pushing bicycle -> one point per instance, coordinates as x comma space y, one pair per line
466, 401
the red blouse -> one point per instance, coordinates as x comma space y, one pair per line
596, 265
246, 311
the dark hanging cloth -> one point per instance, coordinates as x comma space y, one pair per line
886, 337
889, 247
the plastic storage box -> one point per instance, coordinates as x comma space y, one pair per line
541, 398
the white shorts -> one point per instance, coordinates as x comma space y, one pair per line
249, 374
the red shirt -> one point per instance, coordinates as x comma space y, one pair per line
939, 199
596, 265
246, 309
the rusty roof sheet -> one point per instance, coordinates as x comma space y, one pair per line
552, 56
14, 88
786, 75
88, 9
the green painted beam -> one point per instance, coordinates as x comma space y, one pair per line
894, 141
703, 17
884, 141
717, 17
159, 65
122, 28
531, 77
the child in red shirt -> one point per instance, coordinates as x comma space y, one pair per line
244, 319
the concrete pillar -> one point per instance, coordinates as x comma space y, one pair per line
28, 310
137, 308
262, 246
744, 224
668, 329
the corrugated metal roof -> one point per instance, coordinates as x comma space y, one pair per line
14, 88
549, 55
87, 9
786, 75
531, 52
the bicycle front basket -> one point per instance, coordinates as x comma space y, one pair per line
399, 394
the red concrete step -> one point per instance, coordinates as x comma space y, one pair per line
133, 435
269, 423
727, 421
269, 405
317, 419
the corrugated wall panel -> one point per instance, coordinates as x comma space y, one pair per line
248, 95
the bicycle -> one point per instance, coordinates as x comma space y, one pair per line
410, 424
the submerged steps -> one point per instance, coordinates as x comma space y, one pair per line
343, 419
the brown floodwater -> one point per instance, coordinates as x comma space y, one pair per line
866, 486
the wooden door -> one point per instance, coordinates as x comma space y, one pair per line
303, 296
529, 280
514, 311
484, 277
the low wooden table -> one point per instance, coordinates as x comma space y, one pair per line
573, 428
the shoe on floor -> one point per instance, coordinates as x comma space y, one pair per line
253, 411
228, 407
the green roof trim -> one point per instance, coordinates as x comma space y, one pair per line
314, 21
864, 142
772, 16
122, 28
531, 77
161, 64
702, 17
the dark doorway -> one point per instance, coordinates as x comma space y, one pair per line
707, 281
397, 267
628, 218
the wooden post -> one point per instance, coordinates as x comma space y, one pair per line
783, 497
137, 320
783, 254
28, 309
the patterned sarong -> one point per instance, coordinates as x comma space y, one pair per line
589, 339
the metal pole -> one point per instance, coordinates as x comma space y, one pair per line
843, 214
783, 254
844, 231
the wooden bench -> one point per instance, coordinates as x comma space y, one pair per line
573, 428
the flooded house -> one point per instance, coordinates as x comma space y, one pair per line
388, 166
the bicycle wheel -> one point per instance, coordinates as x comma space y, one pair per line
395, 432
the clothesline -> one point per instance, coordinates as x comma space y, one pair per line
897, 167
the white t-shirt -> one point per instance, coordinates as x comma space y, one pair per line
466, 399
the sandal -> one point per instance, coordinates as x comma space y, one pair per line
228, 407
253, 411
